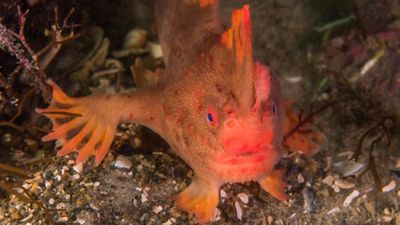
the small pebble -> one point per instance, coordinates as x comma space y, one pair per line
217, 215
27, 218
63, 219
343, 184
387, 219
48, 184
300, 178
78, 167
89, 184
58, 178
96, 184
270, 219
27, 186
328, 180
243, 197
52, 201
36, 189
65, 168
386, 211
349, 167
309, 199
138, 189
123, 162
222, 193
239, 211
135, 38
333, 211
94, 207
389, 187
157, 209
350, 198
294, 79
397, 163
368, 65
336, 188
1, 214
60, 206
155, 50
80, 221
169, 222
143, 198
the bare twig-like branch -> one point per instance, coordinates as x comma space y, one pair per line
307, 119
11, 122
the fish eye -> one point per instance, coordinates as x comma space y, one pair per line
212, 117
274, 109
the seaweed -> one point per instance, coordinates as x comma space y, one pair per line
381, 129
24, 196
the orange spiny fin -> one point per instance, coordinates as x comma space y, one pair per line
205, 3
238, 43
239, 36
78, 123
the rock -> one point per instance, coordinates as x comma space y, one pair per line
1, 214
155, 50
309, 199
239, 211
222, 193
328, 180
78, 167
135, 38
343, 184
349, 167
387, 219
270, 219
76, 177
243, 197
123, 162
333, 211
52, 201
390, 186
35, 189
350, 198
157, 209
63, 219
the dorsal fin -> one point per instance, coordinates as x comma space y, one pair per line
238, 39
239, 36
186, 28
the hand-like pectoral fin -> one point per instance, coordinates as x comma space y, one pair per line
274, 185
200, 198
79, 126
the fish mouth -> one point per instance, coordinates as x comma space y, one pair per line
243, 158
